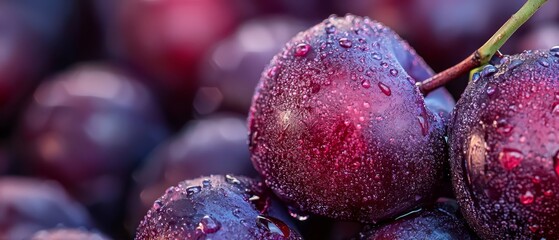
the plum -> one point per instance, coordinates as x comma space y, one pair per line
28, 205
217, 207
213, 145
338, 127
504, 148
439, 222
88, 128
233, 67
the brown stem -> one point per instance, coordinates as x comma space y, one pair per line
445, 76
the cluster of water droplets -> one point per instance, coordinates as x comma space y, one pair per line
506, 134
215, 206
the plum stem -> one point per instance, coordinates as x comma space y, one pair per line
484, 54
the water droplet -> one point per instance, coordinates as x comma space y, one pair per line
330, 28
193, 190
536, 180
548, 193
543, 62
488, 71
273, 71
366, 104
476, 77
510, 158
385, 89
366, 84
534, 228
555, 51
384, 64
231, 179
206, 182
157, 204
556, 163
273, 225
503, 127
491, 89
423, 125
515, 63
376, 56
527, 198
209, 225
236, 212
394, 72
302, 49
297, 214
555, 109
344, 42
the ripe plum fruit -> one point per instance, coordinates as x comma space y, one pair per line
338, 112
505, 149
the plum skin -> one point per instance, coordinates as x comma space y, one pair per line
319, 119
503, 148
441, 221
216, 207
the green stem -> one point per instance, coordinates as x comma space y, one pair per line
482, 55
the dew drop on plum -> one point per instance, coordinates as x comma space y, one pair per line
302, 49
510, 158
385, 89
344, 42
209, 225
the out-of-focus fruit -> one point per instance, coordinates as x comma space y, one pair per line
338, 127
504, 148
21, 62
67, 234
231, 71
214, 145
217, 207
29, 205
88, 128
543, 36
440, 222
166, 40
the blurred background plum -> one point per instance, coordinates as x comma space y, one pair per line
115, 101
88, 128
28, 205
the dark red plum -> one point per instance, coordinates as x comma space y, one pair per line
67, 234
216, 207
338, 127
213, 145
442, 221
88, 128
233, 68
29, 205
504, 148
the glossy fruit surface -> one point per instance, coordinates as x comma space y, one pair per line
504, 148
30, 205
217, 207
338, 128
439, 222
